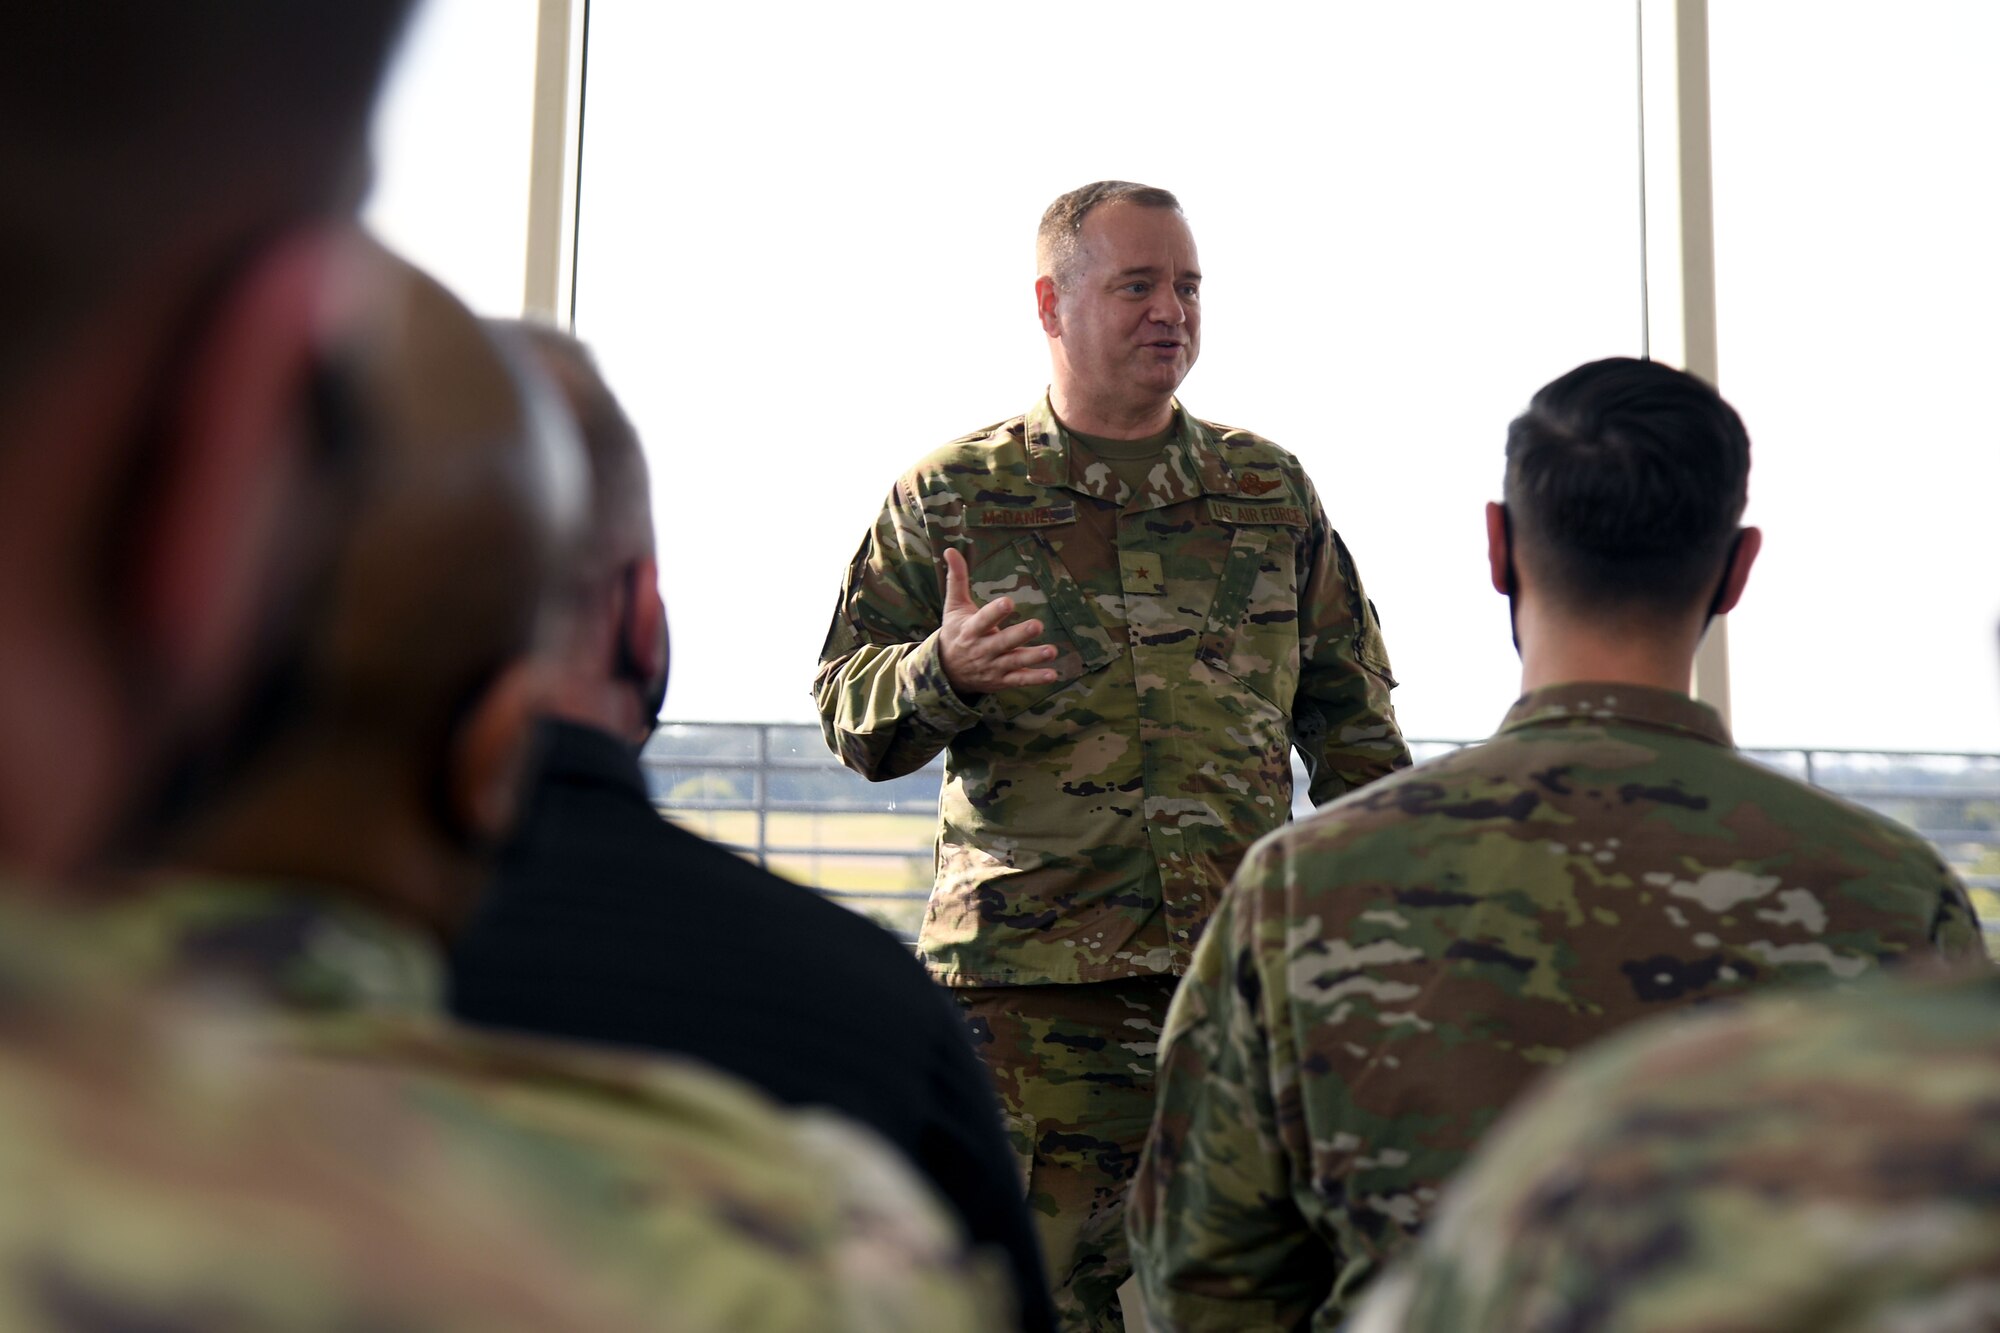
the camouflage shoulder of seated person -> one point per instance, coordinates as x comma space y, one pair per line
1473, 924
163, 1174
1388, 974
1802, 1164
293, 1037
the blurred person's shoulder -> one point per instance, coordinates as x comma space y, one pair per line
279, 1037
740, 1211
160, 1171
1870, 1035
1806, 1160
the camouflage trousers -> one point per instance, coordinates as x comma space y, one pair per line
1074, 1069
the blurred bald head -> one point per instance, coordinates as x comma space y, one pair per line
176, 248
621, 511
612, 670
476, 492
400, 765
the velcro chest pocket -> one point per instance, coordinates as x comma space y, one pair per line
1252, 630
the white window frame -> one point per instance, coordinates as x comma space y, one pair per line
556, 162
1678, 239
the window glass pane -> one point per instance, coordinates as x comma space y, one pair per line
452, 143
1857, 278
807, 259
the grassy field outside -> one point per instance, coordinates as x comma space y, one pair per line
871, 862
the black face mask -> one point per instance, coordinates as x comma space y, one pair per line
1514, 579
651, 691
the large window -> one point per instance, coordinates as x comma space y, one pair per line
1857, 205
806, 257
452, 144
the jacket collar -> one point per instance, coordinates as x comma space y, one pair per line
1190, 466
573, 753
1590, 703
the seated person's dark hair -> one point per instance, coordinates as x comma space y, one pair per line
1626, 480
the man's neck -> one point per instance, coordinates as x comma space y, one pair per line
605, 705
1555, 652
301, 827
1109, 419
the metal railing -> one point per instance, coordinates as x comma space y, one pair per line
772, 792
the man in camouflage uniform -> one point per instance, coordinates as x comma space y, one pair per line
1384, 978
1796, 1165
234, 1109
1107, 761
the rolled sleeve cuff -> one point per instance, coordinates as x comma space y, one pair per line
936, 704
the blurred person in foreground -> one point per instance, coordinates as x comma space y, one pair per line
178, 248
315, 889
1798, 1164
1384, 978
1193, 618
608, 923
182, 435
185, 285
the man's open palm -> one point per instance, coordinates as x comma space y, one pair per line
982, 652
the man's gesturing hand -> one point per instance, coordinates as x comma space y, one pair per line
982, 652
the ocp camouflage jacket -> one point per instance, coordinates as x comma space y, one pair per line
1203, 627
1383, 979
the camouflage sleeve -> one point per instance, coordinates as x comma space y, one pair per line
885, 706
1342, 720
1217, 1239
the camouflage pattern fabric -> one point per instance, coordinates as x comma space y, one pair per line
1385, 977
232, 1109
1204, 626
1787, 1166
1074, 1069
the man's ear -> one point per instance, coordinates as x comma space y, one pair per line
1738, 574
1047, 297
1499, 544
231, 456
645, 627
492, 749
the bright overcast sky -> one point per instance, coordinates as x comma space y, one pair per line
807, 259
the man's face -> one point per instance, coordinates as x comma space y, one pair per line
1130, 318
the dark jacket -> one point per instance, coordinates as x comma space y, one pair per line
608, 923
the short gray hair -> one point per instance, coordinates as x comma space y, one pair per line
1056, 241
620, 527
